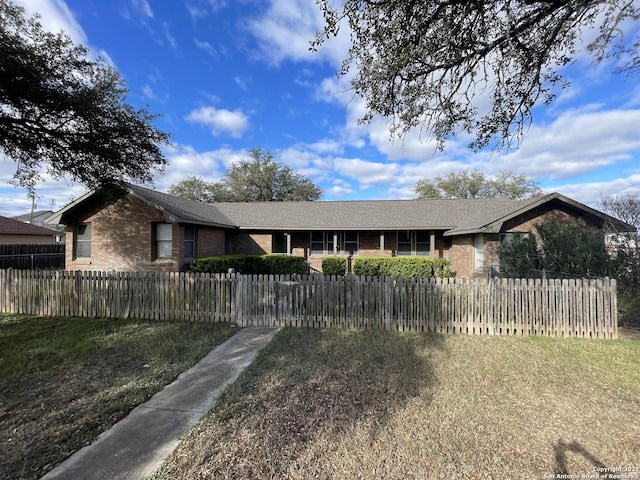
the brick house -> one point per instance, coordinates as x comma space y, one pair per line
138, 229
14, 231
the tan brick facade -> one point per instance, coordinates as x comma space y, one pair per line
122, 239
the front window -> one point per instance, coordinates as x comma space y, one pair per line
164, 240
414, 243
479, 252
83, 240
334, 243
189, 241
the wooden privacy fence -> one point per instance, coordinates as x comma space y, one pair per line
560, 308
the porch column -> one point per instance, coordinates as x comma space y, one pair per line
287, 236
335, 243
382, 244
432, 244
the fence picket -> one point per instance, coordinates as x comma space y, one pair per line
561, 308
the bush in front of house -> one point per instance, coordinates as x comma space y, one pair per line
334, 265
402, 267
442, 268
250, 264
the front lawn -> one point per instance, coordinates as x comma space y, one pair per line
358, 405
63, 381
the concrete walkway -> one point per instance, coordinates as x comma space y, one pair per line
136, 446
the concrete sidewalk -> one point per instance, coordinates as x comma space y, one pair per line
136, 446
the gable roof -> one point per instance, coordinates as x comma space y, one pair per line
175, 209
11, 226
454, 216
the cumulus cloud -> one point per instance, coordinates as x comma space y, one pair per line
286, 28
577, 142
55, 16
366, 172
220, 121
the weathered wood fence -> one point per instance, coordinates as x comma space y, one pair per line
560, 308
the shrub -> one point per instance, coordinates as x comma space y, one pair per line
250, 264
334, 265
218, 264
402, 267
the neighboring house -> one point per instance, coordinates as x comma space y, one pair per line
138, 229
14, 231
39, 218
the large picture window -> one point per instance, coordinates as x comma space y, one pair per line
163, 240
345, 243
83, 240
414, 243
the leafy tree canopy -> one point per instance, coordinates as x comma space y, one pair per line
61, 110
257, 179
560, 249
425, 64
475, 184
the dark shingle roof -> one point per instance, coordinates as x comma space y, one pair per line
10, 226
178, 209
438, 214
454, 216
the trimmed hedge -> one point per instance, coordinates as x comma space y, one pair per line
271, 264
402, 267
334, 265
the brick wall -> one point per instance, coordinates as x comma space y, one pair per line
252, 243
461, 256
122, 239
210, 242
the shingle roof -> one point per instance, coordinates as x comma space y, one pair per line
179, 209
10, 226
438, 214
454, 216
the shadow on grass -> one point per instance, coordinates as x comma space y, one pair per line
560, 451
305, 388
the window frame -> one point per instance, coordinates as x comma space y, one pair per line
158, 252
345, 242
193, 242
418, 246
478, 251
79, 239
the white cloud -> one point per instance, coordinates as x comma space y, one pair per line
341, 188
232, 122
185, 161
367, 173
591, 193
169, 36
143, 8
148, 93
55, 16
286, 29
576, 143
243, 81
206, 47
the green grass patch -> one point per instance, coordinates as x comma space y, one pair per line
63, 381
362, 404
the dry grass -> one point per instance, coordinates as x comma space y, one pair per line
345, 404
63, 381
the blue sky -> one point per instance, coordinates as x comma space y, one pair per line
231, 75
